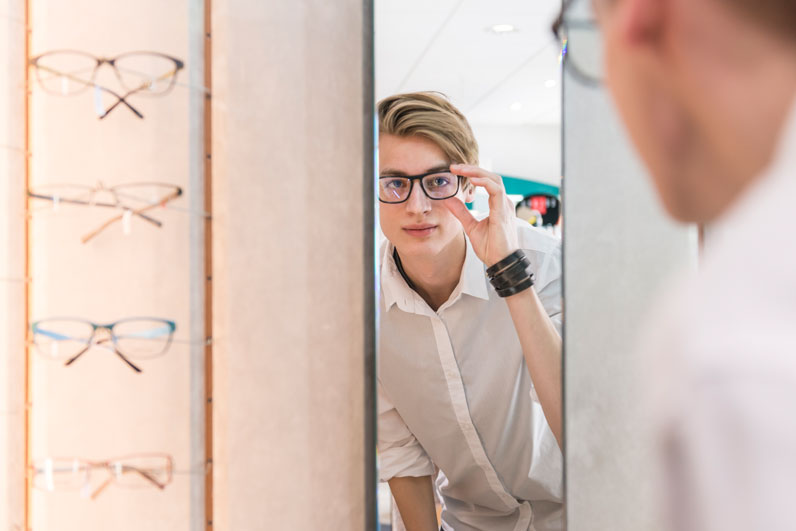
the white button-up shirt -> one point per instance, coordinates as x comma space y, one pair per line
723, 365
454, 392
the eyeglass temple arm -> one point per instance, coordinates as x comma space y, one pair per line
126, 469
144, 474
137, 212
76, 356
83, 81
122, 99
115, 350
88, 203
127, 361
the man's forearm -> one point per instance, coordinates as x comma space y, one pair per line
541, 346
415, 499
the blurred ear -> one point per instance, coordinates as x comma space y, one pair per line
642, 21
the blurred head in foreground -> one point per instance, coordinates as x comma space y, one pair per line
704, 87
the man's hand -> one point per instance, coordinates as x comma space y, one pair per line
494, 237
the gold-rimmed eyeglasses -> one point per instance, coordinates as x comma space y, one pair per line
153, 470
133, 199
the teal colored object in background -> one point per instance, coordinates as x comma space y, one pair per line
524, 187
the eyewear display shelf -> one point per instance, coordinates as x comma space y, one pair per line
118, 357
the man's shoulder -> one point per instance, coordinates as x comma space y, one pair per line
536, 239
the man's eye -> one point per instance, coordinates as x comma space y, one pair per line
440, 180
395, 183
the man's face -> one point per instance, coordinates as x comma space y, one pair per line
647, 94
419, 226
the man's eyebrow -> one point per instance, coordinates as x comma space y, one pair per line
398, 173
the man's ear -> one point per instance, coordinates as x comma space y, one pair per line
642, 20
469, 192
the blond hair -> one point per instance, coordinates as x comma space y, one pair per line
429, 115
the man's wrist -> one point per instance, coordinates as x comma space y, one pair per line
511, 275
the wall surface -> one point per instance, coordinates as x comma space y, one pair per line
98, 408
619, 251
12, 264
290, 154
528, 151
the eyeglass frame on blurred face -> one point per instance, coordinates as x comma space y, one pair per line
421, 178
560, 28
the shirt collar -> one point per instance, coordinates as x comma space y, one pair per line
395, 290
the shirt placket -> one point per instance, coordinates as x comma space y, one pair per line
455, 386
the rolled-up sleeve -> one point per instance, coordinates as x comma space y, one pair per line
400, 454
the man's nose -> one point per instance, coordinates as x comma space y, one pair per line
418, 202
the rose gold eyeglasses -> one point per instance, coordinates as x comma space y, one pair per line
133, 199
154, 470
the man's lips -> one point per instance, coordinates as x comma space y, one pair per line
419, 230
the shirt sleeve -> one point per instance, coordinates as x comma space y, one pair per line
400, 454
548, 285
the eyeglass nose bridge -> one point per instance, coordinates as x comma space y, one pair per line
103, 334
422, 193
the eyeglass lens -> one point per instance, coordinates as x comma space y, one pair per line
396, 189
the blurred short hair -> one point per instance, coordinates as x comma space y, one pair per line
778, 15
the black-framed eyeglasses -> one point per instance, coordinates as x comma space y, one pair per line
70, 72
581, 47
437, 185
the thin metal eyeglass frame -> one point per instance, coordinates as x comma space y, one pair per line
111, 465
111, 61
413, 178
139, 211
560, 31
113, 338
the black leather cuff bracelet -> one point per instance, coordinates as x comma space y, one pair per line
492, 270
522, 286
514, 274
511, 275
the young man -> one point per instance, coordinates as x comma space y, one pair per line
707, 90
456, 348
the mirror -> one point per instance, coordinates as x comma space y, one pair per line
468, 372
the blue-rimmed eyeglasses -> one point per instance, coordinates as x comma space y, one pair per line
436, 185
131, 338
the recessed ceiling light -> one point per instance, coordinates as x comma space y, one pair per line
516, 106
550, 83
502, 28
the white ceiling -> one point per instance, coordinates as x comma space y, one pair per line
445, 45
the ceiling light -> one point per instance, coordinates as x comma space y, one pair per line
516, 106
501, 29
550, 83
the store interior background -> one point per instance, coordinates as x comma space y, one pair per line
292, 434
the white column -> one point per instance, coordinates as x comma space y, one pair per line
291, 157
